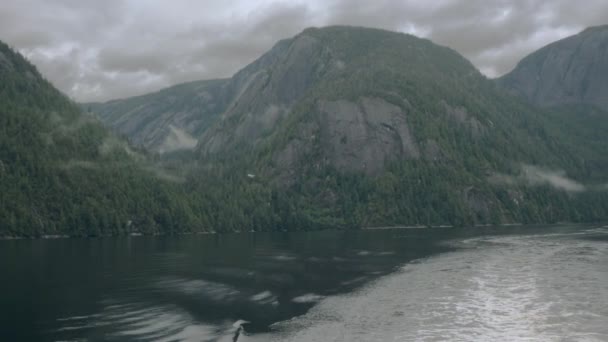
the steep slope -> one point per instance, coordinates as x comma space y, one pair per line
320, 61
351, 126
168, 120
383, 127
570, 71
62, 173
363, 97
569, 77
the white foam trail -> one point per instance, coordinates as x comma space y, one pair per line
143, 322
307, 298
535, 288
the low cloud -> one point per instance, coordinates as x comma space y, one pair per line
537, 176
111, 144
176, 140
557, 179
99, 50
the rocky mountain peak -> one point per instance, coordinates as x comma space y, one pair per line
570, 71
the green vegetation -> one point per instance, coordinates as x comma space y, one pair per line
494, 134
62, 173
483, 156
145, 119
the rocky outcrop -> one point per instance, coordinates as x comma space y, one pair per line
363, 135
264, 92
462, 117
316, 89
167, 120
573, 70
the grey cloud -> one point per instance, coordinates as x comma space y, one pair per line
33, 38
125, 60
538, 176
241, 44
98, 50
557, 179
494, 35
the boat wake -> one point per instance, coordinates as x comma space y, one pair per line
523, 288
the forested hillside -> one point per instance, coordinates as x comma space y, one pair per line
62, 173
338, 127
568, 78
167, 120
382, 128
571, 71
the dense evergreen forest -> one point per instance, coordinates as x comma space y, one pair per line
63, 173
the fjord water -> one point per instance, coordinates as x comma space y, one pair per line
509, 283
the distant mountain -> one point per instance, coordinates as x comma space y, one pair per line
345, 78
168, 120
569, 77
348, 127
352, 126
571, 71
357, 99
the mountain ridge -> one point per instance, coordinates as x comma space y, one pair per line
63, 174
147, 119
568, 71
344, 127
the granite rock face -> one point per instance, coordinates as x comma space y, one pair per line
573, 70
167, 120
332, 97
264, 92
363, 135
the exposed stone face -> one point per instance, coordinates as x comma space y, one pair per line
359, 136
461, 116
289, 160
571, 71
164, 121
432, 151
265, 91
363, 135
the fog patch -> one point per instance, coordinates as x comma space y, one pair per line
112, 143
66, 125
538, 176
556, 179
307, 298
176, 140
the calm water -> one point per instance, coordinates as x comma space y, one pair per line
511, 283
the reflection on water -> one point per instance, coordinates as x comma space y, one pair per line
189, 287
542, 287
326, 286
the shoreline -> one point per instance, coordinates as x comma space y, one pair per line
396, 227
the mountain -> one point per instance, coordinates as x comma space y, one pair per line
63, 173
167, 120
568, 76
352, 126
570, 71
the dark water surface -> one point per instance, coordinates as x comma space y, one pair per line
401, 285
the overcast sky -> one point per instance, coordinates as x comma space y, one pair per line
99, 50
